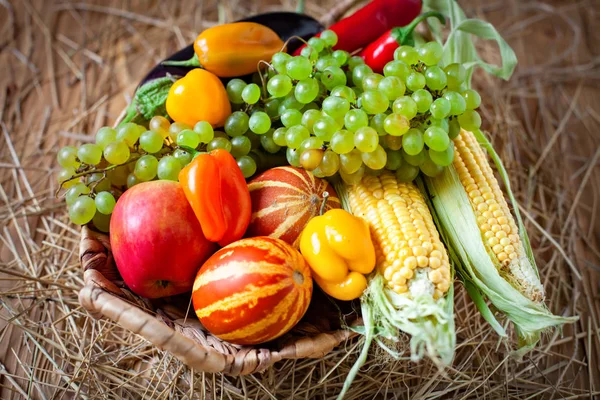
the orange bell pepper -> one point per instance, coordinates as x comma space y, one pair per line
216, 189
198, 96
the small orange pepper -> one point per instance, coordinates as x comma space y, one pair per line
235, 49
198, 96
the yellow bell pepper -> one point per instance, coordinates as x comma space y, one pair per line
338, 247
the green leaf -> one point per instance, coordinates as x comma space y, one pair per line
150, 98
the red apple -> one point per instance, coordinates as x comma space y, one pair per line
156, 240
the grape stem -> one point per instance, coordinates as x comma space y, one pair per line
324, 202
290, 39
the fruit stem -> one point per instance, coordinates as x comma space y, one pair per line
324, 202
192, 62
403, 35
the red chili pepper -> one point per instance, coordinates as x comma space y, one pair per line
217, 191
381, 51
369, 22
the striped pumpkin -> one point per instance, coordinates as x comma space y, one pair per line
252, 291
284, 199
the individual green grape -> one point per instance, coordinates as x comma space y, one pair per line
132, 180
291, 117
416, 159
251, 94
279, 61
453, 128
219, 143
272, 107
82, 210
325, 62
423, 99
472, 99
333, 76
406, 106
392, 142
344, 92
351, 162
435, 78
240, 146
436, 138
366, 139
341, 57
394, 160
101, 222
430, 168
188, 138
398, 69
430, 53
160, 125
306, 90
415, 81
440, 108
293, 157
406, 173
105, 135
375, 159
298, 68
457, 102
128, 133
395, 125
289, 102
182, 156
75, 191
90, 154
118, 176
151, 142
356, 118
358, 74
329, 37
441, 123
377, 123
312, 142
406, 54
235, 87
336, 107
260, 123
105, 202
174, 129
330, 163
67, 157
279, 137
117, 153
205, 131
146, 168
310, 106
442, 158
310, 53
456, 75
342, 142
374, 102
371, 81
309, 118
268, 143
237, 123
310, 159
354, 178
413, 142
470, 120
325, 127
354, 62
98, 182
247, 166
279, 86
317, 43
392, 87
295, 135
169, 168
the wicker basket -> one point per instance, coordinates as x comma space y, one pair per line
164, 322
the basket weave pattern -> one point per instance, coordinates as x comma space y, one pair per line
164, 322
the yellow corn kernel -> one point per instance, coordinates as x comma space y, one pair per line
405, 237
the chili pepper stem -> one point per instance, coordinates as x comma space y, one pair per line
192, 62
324, 202
404, 36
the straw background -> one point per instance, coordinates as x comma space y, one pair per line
70, 67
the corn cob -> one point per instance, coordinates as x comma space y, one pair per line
496, 223
410, 254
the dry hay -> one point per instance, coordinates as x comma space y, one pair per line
69, 67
